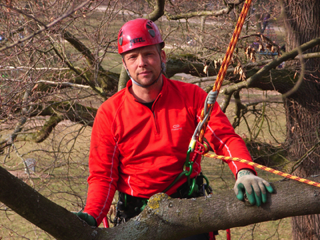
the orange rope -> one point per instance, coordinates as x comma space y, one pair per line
221, 74
226, 61
282, 174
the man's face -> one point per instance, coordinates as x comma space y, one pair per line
144, 64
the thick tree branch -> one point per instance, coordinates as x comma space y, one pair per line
158, 10
263, 75
164, 217
40, 210
57, 112
189, 65
284, 57
107, 80
77, 44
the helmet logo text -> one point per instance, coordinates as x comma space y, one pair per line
136, 40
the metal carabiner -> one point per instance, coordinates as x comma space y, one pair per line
207, 186
190, 166
192, 186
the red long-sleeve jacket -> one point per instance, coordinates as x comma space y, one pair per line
140, 151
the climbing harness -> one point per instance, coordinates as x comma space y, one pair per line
129, 206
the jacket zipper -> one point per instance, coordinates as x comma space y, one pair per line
154, 115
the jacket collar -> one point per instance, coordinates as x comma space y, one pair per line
161, 94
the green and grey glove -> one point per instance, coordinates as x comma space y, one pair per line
87, 218
255, 187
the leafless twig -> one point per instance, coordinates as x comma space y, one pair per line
45, 27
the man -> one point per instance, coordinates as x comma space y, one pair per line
140, 136
265, 21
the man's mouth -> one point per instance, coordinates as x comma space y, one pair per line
144, 73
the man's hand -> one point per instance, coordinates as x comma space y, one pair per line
87, 218
254, 187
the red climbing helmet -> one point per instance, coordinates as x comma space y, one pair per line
137, 33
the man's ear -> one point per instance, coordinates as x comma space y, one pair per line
163, 56
163, 61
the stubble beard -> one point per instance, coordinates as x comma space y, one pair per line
148, 82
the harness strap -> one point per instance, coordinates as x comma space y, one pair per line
130, 206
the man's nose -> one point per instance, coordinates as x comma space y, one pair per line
141, 61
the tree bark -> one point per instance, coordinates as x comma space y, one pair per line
303, 107
164, 217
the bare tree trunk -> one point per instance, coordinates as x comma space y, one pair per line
303, 107
123, 79
303, 126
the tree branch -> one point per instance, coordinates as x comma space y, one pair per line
41, 211
45, 27
63, 84
158, 10
256, 78
220, 12
107, 80
163, 216
58, 111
